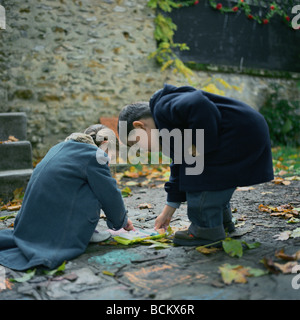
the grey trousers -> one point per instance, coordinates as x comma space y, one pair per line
209, 213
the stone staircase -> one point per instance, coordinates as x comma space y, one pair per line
15, 157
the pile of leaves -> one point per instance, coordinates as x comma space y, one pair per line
142, 176
286, 211
10, 139
15, 204
286, 161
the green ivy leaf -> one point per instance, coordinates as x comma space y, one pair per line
56, 271
251, 245
233, 247
27, 276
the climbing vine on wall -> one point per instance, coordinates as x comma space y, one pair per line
165, 28
268, 9
164, 32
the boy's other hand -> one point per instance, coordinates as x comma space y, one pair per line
163, 220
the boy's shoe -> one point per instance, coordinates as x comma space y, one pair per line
185, 238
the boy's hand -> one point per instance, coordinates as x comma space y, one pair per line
129, 225
163, 220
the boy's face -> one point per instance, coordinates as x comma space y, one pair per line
142, 135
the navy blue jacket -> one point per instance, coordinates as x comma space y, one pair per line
237, 150
61, 208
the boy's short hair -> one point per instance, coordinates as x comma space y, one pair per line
134, 112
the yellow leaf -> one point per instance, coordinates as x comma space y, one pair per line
204, 250
237, 274
108, 273
145, 206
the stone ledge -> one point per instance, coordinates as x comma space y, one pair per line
11, 180
15, 155
13, 124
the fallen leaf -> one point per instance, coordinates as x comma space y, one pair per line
279, 180
267, 192
59, 270
108, 273
145, 206
264, 208
270, 266
132, 183
238, 273
283, 235
233, 247
18, 194
293, 220
295, 233
8, 217
244, 188
205, 250
126, 192
253, 245
286, 211
14, 208
131, 173
281, 255
231, 274
26, 277
294, 178
282, 172
287, 267
156, 244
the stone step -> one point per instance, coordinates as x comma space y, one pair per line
13, 124
10, 180
15, 155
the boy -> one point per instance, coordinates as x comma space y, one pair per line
237, 152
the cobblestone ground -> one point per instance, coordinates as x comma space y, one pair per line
144, 273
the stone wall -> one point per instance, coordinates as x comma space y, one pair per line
66, 63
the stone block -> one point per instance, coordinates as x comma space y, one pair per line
15, 155
13, 124
10, 180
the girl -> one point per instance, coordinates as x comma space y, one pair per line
62, 203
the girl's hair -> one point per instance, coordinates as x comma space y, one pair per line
101, 133
133, 112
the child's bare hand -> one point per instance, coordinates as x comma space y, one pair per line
163, 220
129, 226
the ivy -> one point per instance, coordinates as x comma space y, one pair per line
165, 54
164, 31
242, 5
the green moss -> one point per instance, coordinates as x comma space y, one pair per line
248, 71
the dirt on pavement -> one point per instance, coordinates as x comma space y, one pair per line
175, 272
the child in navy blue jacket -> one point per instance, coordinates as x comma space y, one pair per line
237, 152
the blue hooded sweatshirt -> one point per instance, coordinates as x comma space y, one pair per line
61, 208
237, 149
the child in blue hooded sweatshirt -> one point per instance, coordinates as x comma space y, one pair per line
237, 152
62, 203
